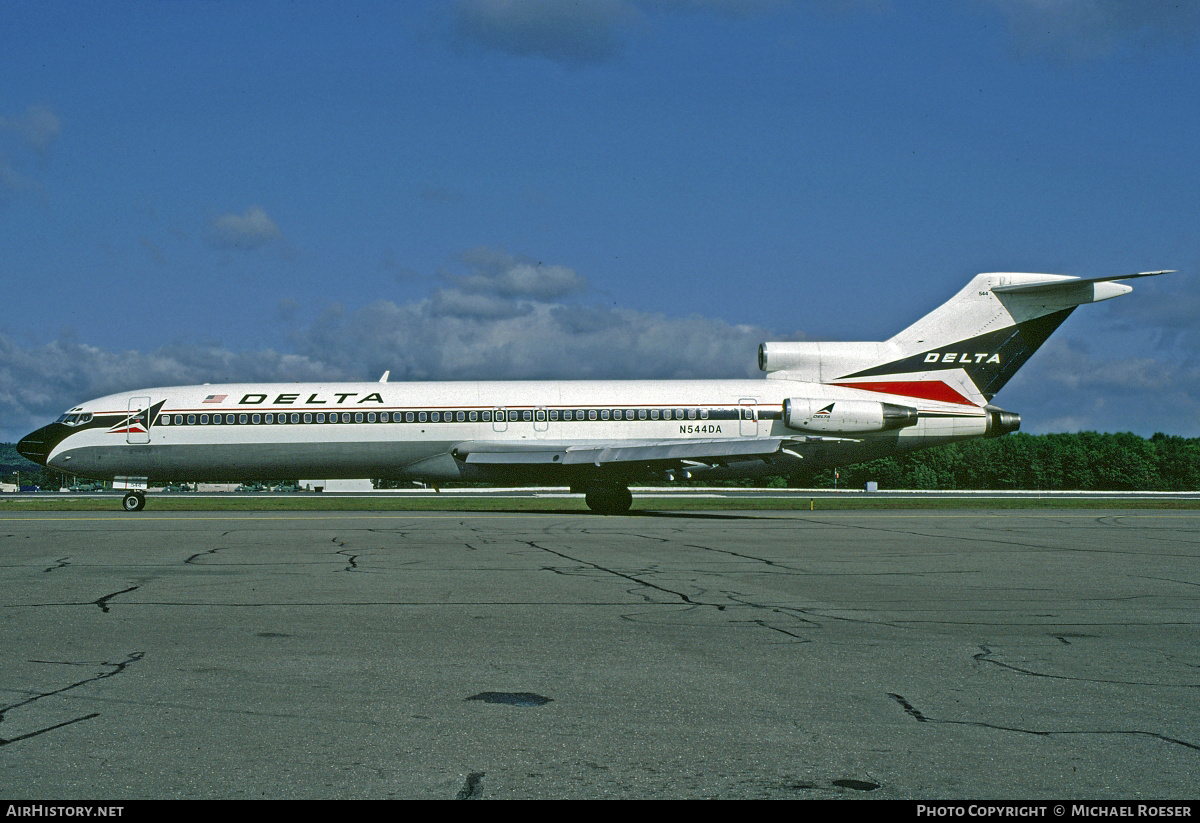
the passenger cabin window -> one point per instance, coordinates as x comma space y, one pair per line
591, 414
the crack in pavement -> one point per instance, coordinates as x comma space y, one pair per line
920, 717
4, 741
103, 601
622, 575
118, 668
1147, 577
985, 657
764, 624
62, 564
772, 563
188, 562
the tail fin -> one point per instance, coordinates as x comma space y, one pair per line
964, 351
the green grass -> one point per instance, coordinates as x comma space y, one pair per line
573, 504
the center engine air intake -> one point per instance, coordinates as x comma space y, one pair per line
846, 416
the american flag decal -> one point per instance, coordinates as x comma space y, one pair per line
215, 398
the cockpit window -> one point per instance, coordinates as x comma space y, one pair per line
74, 418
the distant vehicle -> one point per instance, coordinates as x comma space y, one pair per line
822, 405
28, 489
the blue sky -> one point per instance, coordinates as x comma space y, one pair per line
208, 191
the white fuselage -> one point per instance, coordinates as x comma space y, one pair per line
397, 430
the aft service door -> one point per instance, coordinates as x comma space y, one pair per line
748, 417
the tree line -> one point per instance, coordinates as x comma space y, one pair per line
1084, 461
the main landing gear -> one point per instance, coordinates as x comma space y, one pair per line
608, 499
134, 502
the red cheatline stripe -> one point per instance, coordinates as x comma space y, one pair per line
924, 389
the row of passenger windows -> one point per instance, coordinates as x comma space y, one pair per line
497, 416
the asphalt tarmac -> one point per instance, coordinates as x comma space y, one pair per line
956, 655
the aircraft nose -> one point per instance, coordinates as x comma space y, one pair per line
35, 446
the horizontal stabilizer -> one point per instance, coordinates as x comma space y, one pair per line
1063, 282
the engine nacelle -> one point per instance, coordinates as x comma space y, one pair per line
845, 416
1001, 422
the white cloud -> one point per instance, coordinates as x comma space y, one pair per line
38, 128
1065, 387
580, 32
1090, 28
251, 230
501, 274
28, 138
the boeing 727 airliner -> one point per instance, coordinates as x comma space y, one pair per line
821, 405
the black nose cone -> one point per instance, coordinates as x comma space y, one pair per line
36, 445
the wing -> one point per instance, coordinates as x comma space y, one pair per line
684, 453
